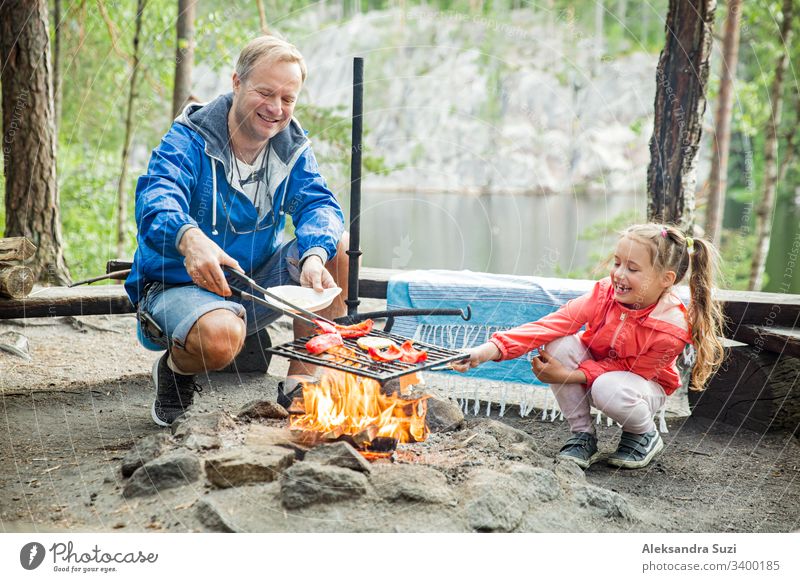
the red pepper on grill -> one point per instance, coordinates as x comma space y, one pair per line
325, 327
350, 331
323, 342
388, 355
356, 330
411, 355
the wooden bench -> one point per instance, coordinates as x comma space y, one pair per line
756, 388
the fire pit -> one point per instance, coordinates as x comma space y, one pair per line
359, 400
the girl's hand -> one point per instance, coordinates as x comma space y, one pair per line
548, 369
477, 356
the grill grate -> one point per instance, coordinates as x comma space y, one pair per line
361, 363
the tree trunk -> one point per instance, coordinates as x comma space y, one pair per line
29, 144
57, 66
682, 76
184, 55
122, 195
767, 204
262, 17
718, 180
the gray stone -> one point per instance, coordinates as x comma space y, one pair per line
541, 483
494, 501
267, 436
568, 473
482, 441
506, 436
214, 518
262, 409
340, 454
411, 483
166, 472
444, 415
308, 483
610, 504
202, 442
202, 423
242, 466
144, 451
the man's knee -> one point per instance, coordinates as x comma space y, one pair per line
217, 337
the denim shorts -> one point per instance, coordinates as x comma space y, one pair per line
176, 308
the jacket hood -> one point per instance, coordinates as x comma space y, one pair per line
210, 120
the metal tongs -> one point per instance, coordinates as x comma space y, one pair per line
304, 315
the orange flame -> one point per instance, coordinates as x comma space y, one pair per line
347, 404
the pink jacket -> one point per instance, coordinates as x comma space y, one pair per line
645, 341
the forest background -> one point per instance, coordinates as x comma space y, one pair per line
594, 43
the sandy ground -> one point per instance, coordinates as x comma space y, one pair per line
70, 413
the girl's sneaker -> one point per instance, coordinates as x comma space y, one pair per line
580, 448
636, 450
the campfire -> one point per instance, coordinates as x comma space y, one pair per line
359, 410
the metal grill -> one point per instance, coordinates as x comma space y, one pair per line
360, 362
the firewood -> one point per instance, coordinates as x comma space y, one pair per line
16, 248
16, 281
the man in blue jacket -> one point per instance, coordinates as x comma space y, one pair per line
217, 191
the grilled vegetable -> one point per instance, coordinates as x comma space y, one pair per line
323, 342
356, 330
388, 355
379, 343
411, 355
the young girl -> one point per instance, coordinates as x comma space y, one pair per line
624, 361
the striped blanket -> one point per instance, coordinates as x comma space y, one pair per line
498, 302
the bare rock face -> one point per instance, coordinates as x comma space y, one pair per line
243, 466
568, 473
340, 454
608, 503
144, 451
412, 484
166, 472
494, 501
308, 483
444, 415
262, 409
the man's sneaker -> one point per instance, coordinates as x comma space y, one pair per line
636, 450
174, 393
580, 448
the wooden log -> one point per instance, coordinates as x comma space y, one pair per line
754, 389
779, 340
16, 248
60, 301
16, 281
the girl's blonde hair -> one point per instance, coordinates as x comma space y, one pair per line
671, 250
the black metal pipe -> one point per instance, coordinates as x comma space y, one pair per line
354, 251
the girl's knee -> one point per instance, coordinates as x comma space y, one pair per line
566, 349
608, 391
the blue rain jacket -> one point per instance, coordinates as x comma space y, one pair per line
189, 183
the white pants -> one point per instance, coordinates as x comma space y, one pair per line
625, 397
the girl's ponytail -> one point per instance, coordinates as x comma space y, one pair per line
705, 313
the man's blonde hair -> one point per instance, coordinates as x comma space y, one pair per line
273, 49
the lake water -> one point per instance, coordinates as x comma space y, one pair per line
528, 235
521, 235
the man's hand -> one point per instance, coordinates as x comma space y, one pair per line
549, 370
203, 261
315, 275
477, 356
